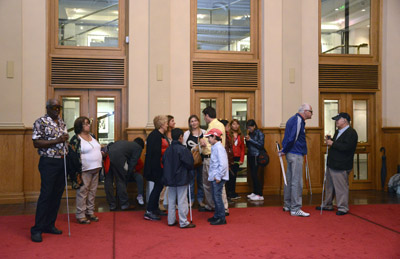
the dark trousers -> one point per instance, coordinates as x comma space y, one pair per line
254, 175
116, 170
231, 184
152, 204
51, 190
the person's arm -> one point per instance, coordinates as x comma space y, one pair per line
242, 149
223, 164
290, 136
42, 143
185, 137
186, 158
259, 143
134, 158
347, 142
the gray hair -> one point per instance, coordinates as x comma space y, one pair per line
303, 107
50, 102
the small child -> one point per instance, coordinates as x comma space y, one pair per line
218, 174
178, 161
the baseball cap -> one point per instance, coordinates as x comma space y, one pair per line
343, 115
215, 132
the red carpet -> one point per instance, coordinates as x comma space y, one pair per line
371, 231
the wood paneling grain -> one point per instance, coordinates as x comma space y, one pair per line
391, 142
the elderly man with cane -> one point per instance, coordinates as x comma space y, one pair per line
49, 137
339, 164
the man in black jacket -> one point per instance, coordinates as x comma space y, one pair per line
121, 152
340, 163
178, 161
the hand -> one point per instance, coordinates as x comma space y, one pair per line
63, 138
217, 181
329, 142
280, 153
247, 138
203, 142
241, 163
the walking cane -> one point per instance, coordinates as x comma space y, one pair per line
282, 167
66, 189
323, 184
190, 205
308, 175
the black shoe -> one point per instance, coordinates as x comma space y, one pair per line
341, 213
204, 209
226, 214
151, 216
37, 237
212, 219
53, 230
236, 197
190, 225
130, 207
160, 213
218, 222
113, 208
324, 208
174, 224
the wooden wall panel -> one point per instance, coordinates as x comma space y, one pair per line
31, 171
391, 142
315, 160
11, 166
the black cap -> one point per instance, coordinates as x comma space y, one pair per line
343, 115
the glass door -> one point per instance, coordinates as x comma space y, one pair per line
102, 107
229, 105
360, 109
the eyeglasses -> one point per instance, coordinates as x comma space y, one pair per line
309, 111
86, 124
55, 107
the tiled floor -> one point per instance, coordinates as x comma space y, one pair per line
356, 198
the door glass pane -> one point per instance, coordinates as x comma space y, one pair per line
71, 111
239, 112
223, 25
360, 168
360, 119
345, 26
105, 120
203, 104
331, 108
88, 23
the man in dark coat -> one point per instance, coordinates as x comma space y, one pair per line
340, 163
178, 161
121, 152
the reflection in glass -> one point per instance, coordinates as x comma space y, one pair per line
223, 25
360, 119
71, 111
203, 104
239, 112
105, 120
89, 23
360, 167
331, 108
345, 26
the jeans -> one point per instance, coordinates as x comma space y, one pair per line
51, 189
138, 178
293, 192
207, 187
257, 189
217, 197
198, 175
179, 194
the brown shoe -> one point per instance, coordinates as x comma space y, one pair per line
190, 225
83, 221
92, 218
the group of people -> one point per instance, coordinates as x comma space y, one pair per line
169, 166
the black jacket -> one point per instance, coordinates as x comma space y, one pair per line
125, 151
341, 153
152, 164
178, 161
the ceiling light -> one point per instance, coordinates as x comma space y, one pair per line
363, 10
336, 9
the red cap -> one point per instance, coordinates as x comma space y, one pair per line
215, 132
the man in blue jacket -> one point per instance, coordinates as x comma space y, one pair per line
294, 146
177, 161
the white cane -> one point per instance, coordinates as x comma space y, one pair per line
308, 175
190, 205
66, 188
282, 167
323, 184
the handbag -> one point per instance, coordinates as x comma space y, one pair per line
263, 158
197, 157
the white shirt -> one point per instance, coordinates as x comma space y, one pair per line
340, 132
90, 154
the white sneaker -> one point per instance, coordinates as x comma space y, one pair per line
140, 199
286, 209
250, 195
257, 198
299, 213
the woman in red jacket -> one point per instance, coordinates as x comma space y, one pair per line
238, 158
